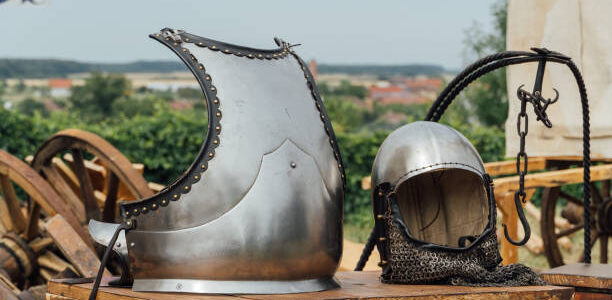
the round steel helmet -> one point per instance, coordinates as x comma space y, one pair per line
438, 181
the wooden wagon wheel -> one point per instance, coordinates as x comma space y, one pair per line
88, 197
601, 222
24, 253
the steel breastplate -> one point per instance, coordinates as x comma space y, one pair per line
260, 209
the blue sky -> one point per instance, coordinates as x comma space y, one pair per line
342, 31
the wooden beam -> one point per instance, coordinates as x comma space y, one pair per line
552, 179
507, 167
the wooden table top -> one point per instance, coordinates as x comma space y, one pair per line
355, 285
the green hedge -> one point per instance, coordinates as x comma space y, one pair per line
167, 142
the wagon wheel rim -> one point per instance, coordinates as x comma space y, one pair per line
84, 200
20, 235
551, 236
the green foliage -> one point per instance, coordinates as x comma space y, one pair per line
94, 100
384, 70
30, 106
131, 106
345, 89
488, 96
190, 93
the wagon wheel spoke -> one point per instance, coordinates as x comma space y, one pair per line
569, 231
56, 180
110, 203
571, 198
598, 199
595, 236
32, 226
18, 221
92, 211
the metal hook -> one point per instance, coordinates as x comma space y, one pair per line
524, 223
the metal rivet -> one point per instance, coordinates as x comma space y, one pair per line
132, 244
268, 56
201, 67
211, 154
212, 88
167, 39
196, 177
382, 239
186, 188
154, 206
201, 44
218, 114
331, 142
184, 50
158, 34
226, 51
238, 53
218, 128
127, 213
207, 77
322, 117
380, 193
216, 142
274, 54
213, 47
186, 40
175, 196
293, 165
250, 55
259, 55
135, 210
379, 217
164, 202
175, 44
144, 209
216, 101
117, 245
203, 166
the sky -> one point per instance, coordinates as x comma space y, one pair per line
332, 31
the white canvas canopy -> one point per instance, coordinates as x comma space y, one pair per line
581, 30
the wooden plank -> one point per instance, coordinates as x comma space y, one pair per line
73, 247
355, 285
592, 276
77, 207
552, 179
499, 168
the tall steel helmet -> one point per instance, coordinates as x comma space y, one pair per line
435, 211
260, 208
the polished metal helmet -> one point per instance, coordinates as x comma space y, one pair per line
435, 211
260, 208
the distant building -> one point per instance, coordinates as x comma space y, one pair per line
59, 87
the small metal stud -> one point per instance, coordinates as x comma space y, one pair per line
186, 40
226, 51
186, 188
379, 217
175, 44
208, 78
135, 210
211, 154
213, 47
322, 117
196, 177
157, 34
274, 55
268, 56
238, 53
201, 67
215, 142
132, 244
203, 166
259, 55
200, 44
144, 209
164, 202
127, 213
216, 101
331, 142
382, 239
212, 88
175, 196
218, 128
167, 39
250, 55
154, 206
293, 165
380, 193
218, 114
